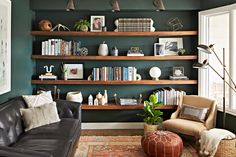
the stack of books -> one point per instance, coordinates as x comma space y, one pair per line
114, 73
169, 96
59, 47
134, 25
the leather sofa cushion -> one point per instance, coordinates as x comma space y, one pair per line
56, 138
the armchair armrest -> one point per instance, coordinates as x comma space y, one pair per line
19, 152
68, 109
211, 119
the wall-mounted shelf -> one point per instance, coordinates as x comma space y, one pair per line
125, 34
46, 57
124, 107
87, 82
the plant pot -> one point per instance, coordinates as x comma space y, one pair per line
83, 28
148, 128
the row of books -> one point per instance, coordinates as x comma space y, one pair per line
169, 96
114, 73
134, 24
59, 47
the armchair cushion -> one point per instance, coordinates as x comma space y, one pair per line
193, 113
183, 126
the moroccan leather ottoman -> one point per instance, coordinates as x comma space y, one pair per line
162, 144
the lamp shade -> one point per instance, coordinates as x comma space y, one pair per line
70, 5
115, 5
159, 5
202, 65
206, 49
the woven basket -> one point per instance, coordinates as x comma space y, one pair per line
226, 148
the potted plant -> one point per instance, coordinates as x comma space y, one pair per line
64, 71
82, 25
151, 116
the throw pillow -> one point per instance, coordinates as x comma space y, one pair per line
38, 100
39, 116
193, 113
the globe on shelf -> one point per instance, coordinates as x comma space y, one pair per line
45, 25
155, 73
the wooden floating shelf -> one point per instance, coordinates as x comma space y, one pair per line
186, 57
125, 34
141, 82
124, 107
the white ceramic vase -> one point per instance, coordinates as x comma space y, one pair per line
103, 49
74, 96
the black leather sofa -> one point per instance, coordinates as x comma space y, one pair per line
53, 140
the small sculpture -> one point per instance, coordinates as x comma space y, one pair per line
45, 25
48, 74
59, 27
175, 24
114, 51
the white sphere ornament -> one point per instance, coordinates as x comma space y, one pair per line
155, 73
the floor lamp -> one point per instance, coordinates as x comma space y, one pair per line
210, 50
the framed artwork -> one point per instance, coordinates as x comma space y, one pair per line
178, 71
158, 49
97, 22
5, 46
171, 45
74, 71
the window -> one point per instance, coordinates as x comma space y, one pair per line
217, 26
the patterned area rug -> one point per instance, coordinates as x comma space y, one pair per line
118, 146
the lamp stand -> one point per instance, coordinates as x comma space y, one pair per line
224, 85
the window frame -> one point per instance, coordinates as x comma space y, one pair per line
203, 75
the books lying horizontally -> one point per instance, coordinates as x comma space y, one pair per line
169, 96
126, 101
179, 78
114, 73
134, 25
59, 47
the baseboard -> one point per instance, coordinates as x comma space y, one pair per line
128, 125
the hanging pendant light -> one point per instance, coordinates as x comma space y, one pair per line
115, 5
70, 5
159, 5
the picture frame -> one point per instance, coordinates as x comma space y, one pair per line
159, 49
5, 46
178, 71
74, 71
96, 23
171, 45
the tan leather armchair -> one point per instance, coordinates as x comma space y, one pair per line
189, 127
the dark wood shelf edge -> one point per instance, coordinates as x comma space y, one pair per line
123, 107
110, 33
185, 57
141, 82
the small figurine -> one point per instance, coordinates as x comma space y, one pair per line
95, 102
90, 100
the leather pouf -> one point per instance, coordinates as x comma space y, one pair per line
162, 144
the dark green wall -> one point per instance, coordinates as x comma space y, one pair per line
22, 65
207, 4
